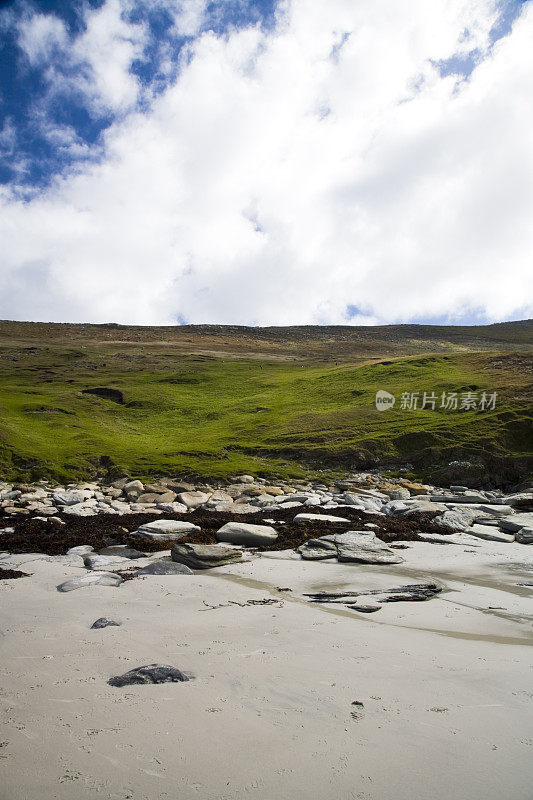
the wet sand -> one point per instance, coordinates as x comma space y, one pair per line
446, 685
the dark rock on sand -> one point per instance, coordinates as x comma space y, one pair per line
164, 568
151, 673
122, 551
205, 556
104, 622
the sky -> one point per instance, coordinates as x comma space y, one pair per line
266, 162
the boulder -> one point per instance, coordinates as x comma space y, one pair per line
244, 508
80, 510
132, 486
319, 517
205, 556
90, 579
193, 499
163, 567
81, 550
365, 547
122, 551
318, 549
247, 534
69, 498
109, 563
459, 520
149, 497
517, 521
490, 534
165, 529
171, 508
524, 536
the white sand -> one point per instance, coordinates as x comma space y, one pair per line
447, 684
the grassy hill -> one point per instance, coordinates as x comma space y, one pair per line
214, 401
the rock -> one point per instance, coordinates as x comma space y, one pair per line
163, 567
221, 497
365, 609
193, 499
524, 536
171, 508
467, 497
247, 534
318, 549
104, 622
149, 497
166, 497
517, 521
398, 493
320, 517
90, 579
80, 510
133, 486
518, 498
496, 510
151, 673
244, 508
122, 551
205, 556
245, 479
165, 529
365, 547
457, 520
81, 550
488, 533
108, 563
68, 498
415, 488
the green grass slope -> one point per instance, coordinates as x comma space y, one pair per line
215, 416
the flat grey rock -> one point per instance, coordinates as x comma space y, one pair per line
517, 521
68, 498
81, 550
104, 622
151, 673
80, 510
90, 579
457, 520
169, 529
364, 547
489, 534
205, 556
193, 499
247, 534
109, 563
164, 568
318, 549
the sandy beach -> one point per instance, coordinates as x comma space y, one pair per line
445, 685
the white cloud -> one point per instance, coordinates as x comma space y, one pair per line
95, 64
40, 35
287, 175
